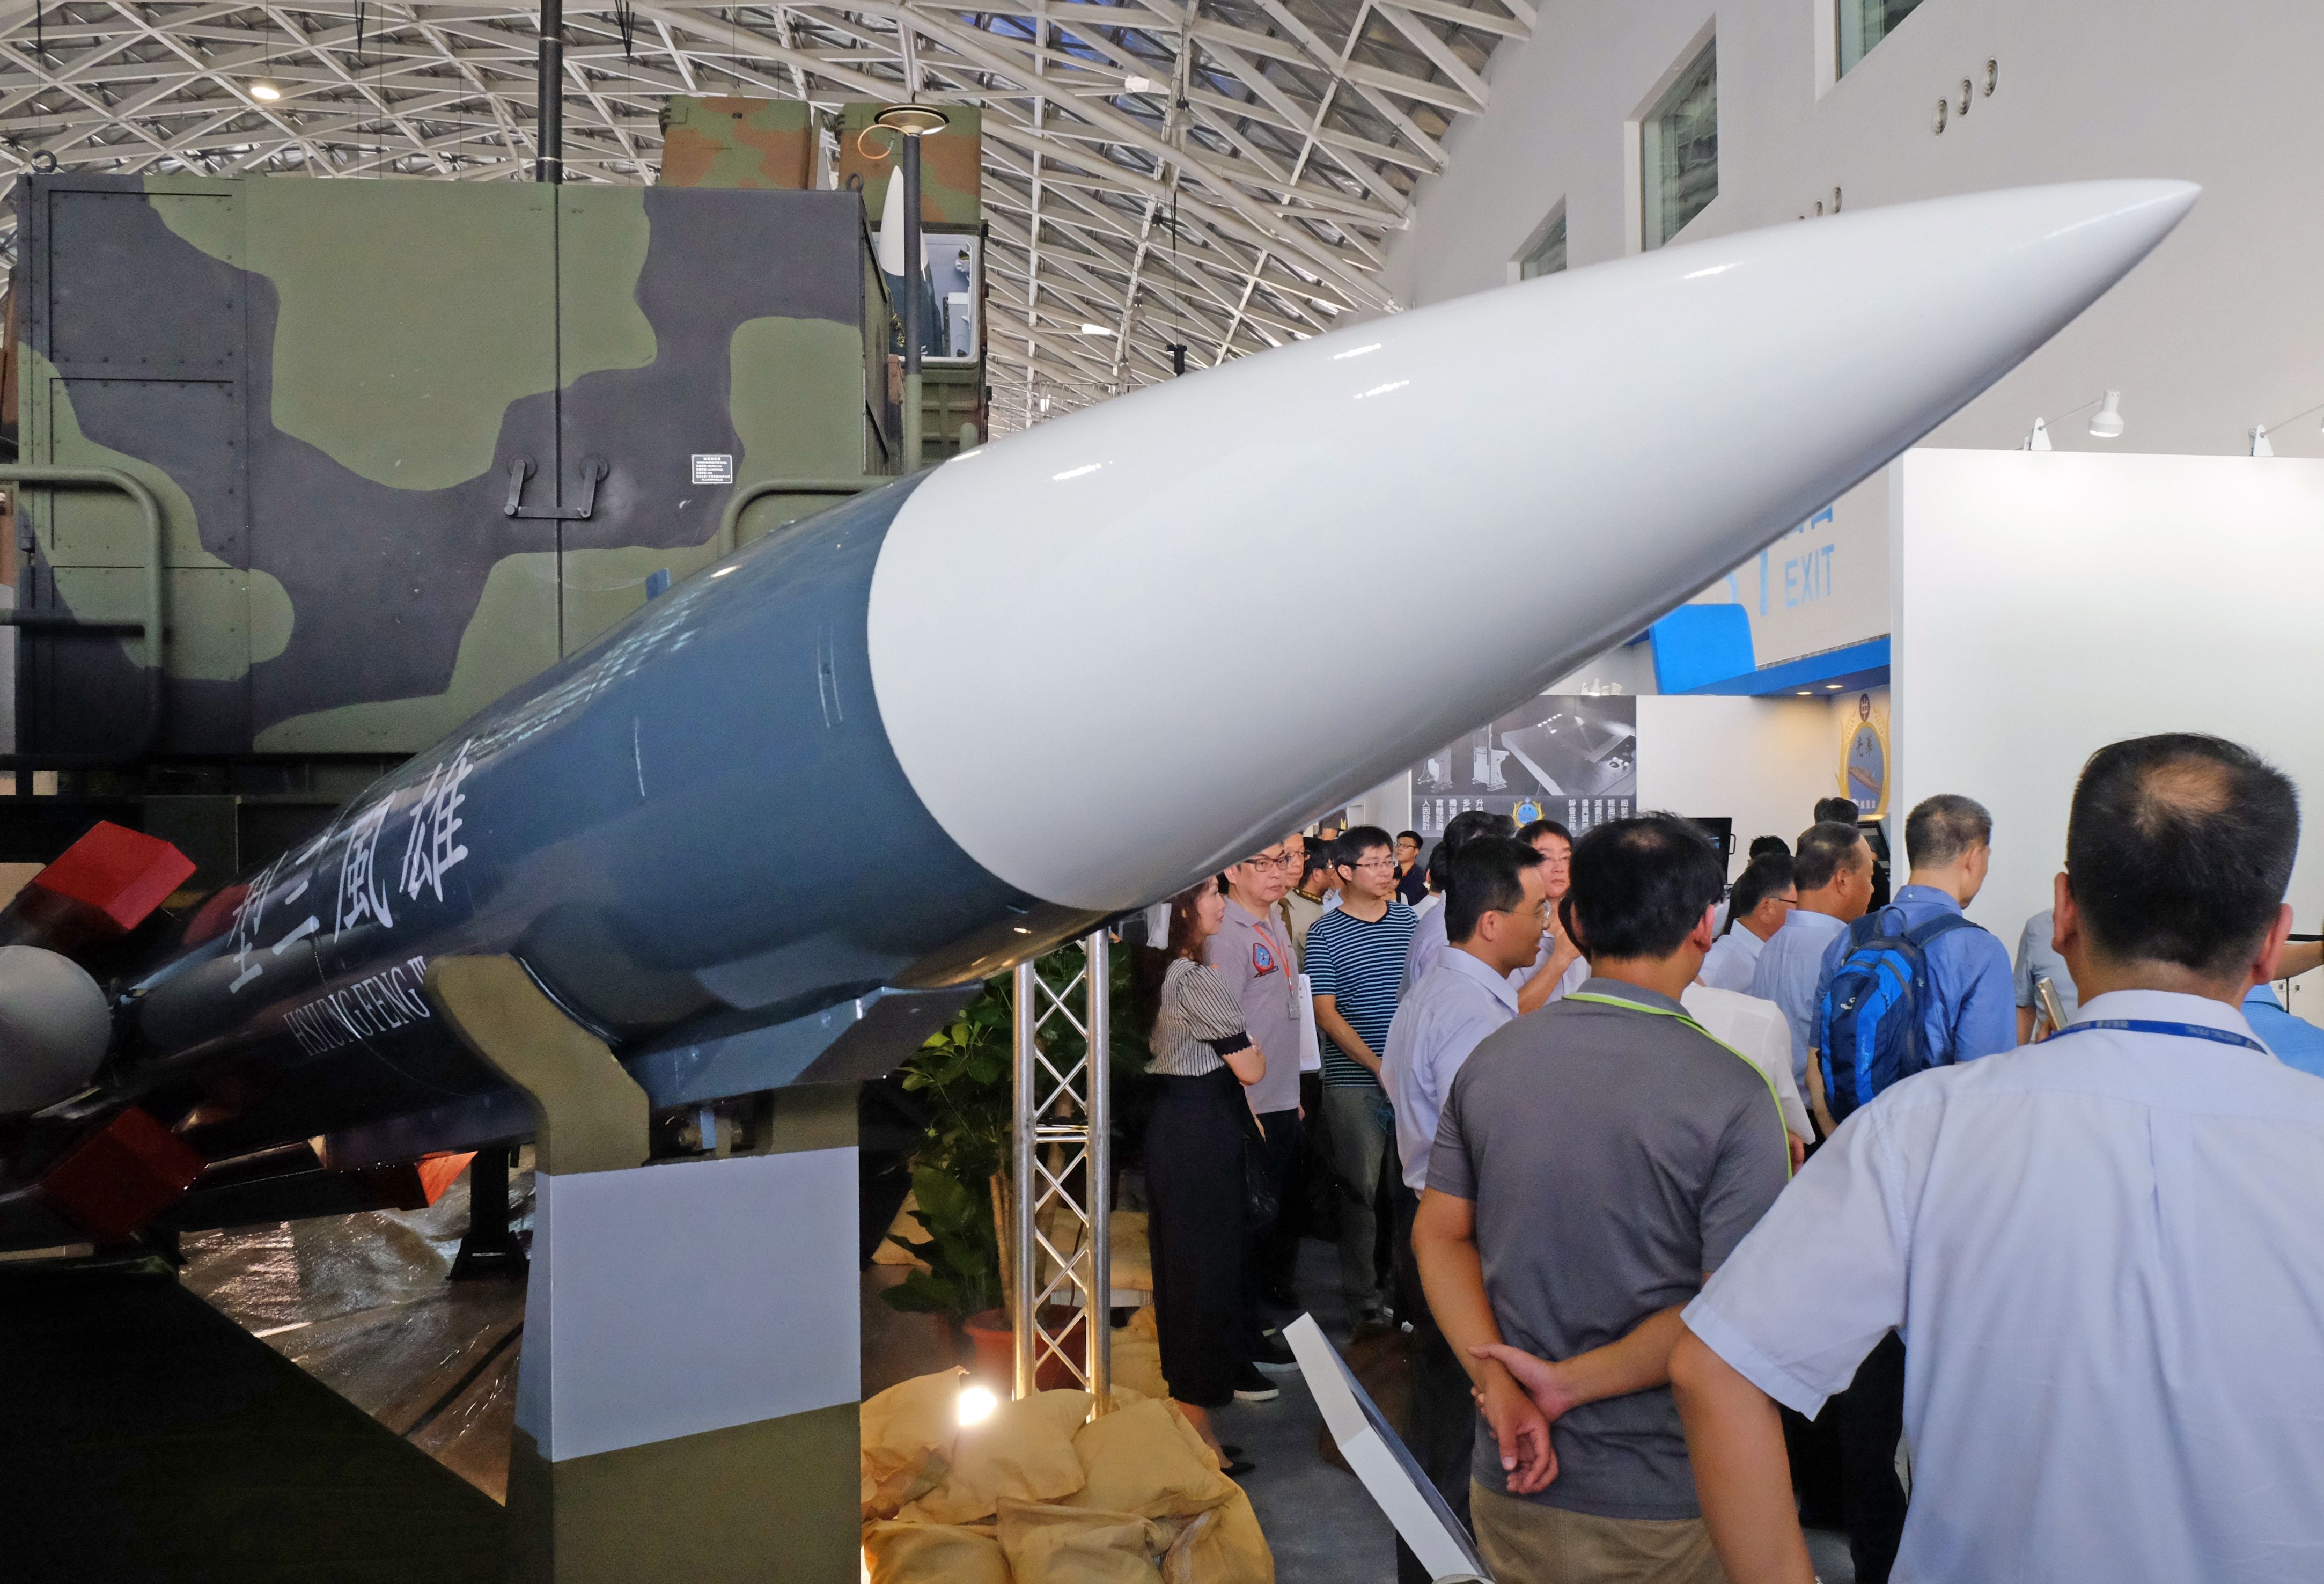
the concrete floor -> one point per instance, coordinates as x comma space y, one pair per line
1323, 1525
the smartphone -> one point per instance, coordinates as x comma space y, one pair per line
2053, 1009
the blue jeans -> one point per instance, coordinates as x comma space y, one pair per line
1362, 1126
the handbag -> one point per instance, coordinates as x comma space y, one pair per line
1259, 1203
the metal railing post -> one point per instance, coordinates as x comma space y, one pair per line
1024, 1302
1100, 1332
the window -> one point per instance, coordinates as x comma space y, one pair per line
1864, 23
1678, 148
1547, 255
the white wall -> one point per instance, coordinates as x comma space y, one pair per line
2049, 604
1762, 763
2220, 328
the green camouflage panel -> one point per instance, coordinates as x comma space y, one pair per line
335, 389
738, 142
951, 164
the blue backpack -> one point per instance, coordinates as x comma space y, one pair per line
1869, 1028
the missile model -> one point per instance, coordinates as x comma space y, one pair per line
890, 749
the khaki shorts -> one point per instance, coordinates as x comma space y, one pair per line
1526, 1543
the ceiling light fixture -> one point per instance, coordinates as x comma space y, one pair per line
1089, 330
265, 90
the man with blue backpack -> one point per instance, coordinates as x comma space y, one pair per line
1909, 986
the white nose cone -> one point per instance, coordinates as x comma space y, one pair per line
1081, 637
53, 1028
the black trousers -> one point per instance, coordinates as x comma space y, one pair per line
1871, 1421
1275, 1247
1442, 1432
1194, 1230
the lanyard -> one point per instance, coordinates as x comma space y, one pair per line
1688, 1019
2185, 1031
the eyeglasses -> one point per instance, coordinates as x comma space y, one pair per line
1375, 864
1262, 861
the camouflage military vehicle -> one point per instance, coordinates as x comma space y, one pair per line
408, 443
772, 142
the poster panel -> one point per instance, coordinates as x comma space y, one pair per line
1567, 757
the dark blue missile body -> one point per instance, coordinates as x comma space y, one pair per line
694, 828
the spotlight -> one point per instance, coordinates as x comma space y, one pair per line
2107, 423
1089, 330
265, 90
976, 1404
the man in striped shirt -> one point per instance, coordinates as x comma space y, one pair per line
1355, 962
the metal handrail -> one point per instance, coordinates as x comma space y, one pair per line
149, 627
730, 524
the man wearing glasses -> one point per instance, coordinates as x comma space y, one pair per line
1253, 950
1757, 909
1355, 964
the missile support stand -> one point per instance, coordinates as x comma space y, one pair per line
696, 1414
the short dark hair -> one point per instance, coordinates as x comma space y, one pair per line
1318, 856
1769, 874
1469, 824
1842, 810
1411, 835
1540, 828
1825, 848
1761, 846
2179, 848
1356, 841
1940, 829
1486, 876
1643, 885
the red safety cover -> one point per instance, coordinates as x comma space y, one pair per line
123, 1176
121, 873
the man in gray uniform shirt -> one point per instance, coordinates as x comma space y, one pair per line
1253, 950
1595, 1160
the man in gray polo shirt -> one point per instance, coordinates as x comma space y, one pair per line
1253, 950
1595, 1160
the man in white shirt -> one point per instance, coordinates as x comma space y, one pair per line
1428, 936
1763, 898
1496, 900
1558, 968
2104, 1250
1757, 1030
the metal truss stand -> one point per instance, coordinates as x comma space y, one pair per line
1063, 1176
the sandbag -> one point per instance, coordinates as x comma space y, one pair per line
933, 1553
1222, 1546
1144, 1458
1051, 1544
1019, 1454
906, 1434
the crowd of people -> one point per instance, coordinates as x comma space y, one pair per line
1694, 1202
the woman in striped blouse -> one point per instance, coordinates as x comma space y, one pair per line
1204, 1057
